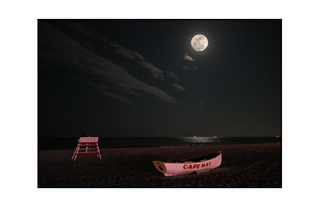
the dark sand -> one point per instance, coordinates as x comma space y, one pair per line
243, 166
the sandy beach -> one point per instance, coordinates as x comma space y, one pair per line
243, 166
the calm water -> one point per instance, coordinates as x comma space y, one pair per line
112, 142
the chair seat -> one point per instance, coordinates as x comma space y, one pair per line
87, 146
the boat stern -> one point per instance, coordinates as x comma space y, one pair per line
160, 166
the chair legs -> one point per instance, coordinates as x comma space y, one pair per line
98, 150
74, 156
87, 150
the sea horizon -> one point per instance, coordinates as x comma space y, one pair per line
52, 143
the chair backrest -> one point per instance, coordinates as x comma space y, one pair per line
88, 139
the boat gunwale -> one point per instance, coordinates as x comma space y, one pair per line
198, 159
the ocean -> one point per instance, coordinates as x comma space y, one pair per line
52, 143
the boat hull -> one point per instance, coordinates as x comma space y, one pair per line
186, 167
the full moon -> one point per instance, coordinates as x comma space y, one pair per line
199, 42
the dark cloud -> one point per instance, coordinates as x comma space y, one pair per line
178, 87
185, 67
156, 72
173, 75
66, 50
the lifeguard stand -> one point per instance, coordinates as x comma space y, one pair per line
87, 146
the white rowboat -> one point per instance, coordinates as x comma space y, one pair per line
185, 167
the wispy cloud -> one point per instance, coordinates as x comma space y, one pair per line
125, 52
64, 50
173, 75
185, 67
156, 72
189, 68
179, 88
104, 90
187, 57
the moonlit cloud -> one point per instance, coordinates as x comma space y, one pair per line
189, 68
67, 52
103, 90
120, 77
156, 72
125, 52
179, 88
173, 75
128, 53
185, 67
187, 57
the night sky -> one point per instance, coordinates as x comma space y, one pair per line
132, 78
